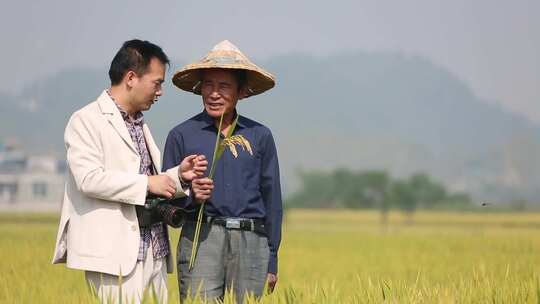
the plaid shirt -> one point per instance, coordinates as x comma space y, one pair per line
155, 235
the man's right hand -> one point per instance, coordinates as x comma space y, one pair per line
161, 185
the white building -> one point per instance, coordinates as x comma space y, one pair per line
30, 183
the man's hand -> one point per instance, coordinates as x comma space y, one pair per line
161, 185
271, 280
202, 189
191, 167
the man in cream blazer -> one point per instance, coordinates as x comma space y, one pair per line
108, 154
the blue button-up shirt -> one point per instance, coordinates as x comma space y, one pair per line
247, 186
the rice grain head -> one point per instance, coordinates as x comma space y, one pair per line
240, 140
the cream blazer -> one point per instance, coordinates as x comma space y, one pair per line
98, 228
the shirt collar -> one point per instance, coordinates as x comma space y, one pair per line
139, 117
209, 121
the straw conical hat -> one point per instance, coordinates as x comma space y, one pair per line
224, 55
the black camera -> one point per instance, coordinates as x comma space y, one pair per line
157, 209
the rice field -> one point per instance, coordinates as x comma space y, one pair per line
331, 257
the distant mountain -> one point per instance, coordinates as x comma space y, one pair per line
12, 118
358, 110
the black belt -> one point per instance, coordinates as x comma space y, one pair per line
255, 225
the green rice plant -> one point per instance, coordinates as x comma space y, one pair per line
220, 145
329, 256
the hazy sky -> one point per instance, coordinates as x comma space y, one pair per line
492, 45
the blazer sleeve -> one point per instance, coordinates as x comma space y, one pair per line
173, 173
85, 162
173, 155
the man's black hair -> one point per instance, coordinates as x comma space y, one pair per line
134, 55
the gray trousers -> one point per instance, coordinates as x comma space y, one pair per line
227, 259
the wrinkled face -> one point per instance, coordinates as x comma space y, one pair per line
146, 88
220, 92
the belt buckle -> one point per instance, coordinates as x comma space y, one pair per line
232, 223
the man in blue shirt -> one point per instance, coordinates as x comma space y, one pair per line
241, 231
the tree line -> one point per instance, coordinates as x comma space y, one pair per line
343, 188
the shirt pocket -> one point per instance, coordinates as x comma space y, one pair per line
251, 171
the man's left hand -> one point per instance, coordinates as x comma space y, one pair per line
192, 166
202, 189
271, 280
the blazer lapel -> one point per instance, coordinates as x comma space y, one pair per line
108, 107
152, 148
